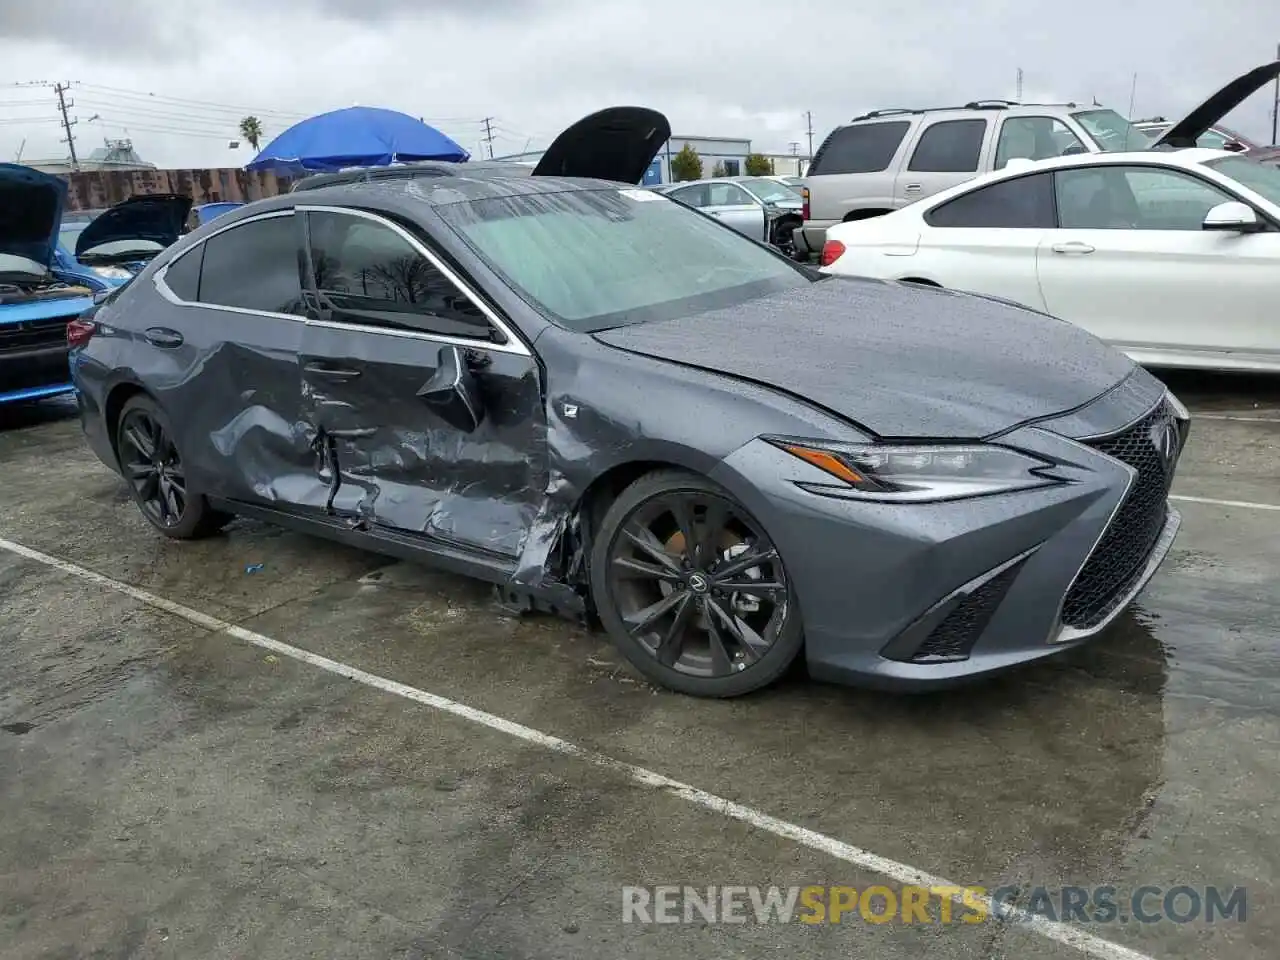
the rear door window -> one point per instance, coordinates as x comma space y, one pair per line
253, 266
949, 146
1023, 202
864, 148
182, 276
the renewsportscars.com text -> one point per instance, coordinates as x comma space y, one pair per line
930, 905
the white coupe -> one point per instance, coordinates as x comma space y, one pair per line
1173, 256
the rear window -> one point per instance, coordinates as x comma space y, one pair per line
865, 148
594, 259
1020, 203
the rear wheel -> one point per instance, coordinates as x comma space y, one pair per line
157, 476
692, 590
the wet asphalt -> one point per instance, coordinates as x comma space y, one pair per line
169, 791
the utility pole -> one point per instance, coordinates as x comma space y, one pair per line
1018, 95
1275, 107
488, 134
808, 116
61, 89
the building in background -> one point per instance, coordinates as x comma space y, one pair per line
729, 152
788, 164
113, 155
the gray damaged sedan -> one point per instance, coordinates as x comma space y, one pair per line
609, 405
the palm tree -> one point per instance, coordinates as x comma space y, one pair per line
251, 130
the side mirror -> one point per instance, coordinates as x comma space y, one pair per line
1074, 150
1235, 146
452, 391
1232, 217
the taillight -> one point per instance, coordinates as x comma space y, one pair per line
79, 331
804, 195
832, 250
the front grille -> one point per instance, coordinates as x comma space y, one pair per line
27, 334
954, 637
1150, 447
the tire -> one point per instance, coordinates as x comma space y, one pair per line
745, 649
158, 482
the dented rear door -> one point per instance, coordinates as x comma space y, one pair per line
383, 319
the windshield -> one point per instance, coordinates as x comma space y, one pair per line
594, 259
1112, 132
771, 191
1260, 178
70, 233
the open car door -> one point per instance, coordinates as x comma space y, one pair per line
1190, 128
617, 143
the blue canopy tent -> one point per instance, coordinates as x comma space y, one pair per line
355, 137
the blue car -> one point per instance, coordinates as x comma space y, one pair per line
38, 298
209, 211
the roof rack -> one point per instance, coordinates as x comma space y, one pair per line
887, 112
992, 104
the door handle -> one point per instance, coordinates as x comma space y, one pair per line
163, 337
330, 373
1072, 246
912, 188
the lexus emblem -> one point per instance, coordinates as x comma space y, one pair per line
1164, 437
698, 583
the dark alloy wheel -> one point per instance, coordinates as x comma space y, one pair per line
692, 589
153, 468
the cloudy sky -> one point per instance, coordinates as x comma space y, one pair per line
177, 76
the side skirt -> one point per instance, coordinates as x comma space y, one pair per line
454, 558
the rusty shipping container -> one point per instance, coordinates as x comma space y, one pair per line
97, 189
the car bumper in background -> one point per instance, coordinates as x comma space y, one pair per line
914, 597
30, 373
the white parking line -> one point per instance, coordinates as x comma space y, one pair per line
1245, 504
1061, 933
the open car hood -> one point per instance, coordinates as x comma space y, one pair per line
617, 143
158, 217
30, 212
1190, 128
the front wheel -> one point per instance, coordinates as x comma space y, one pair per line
692, 590
157, 476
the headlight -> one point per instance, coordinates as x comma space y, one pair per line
112, 273
918, 473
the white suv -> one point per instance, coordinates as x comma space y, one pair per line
887, 159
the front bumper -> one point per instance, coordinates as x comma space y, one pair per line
29, 373
914, 597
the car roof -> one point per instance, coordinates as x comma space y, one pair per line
407, 196
973, 106
408, 171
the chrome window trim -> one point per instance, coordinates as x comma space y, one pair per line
514, 345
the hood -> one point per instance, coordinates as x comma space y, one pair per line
901, 361
616, 144
30, 212
1190, 128
156, 217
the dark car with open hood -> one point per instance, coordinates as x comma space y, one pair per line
610, 406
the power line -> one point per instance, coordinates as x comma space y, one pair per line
61, 90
